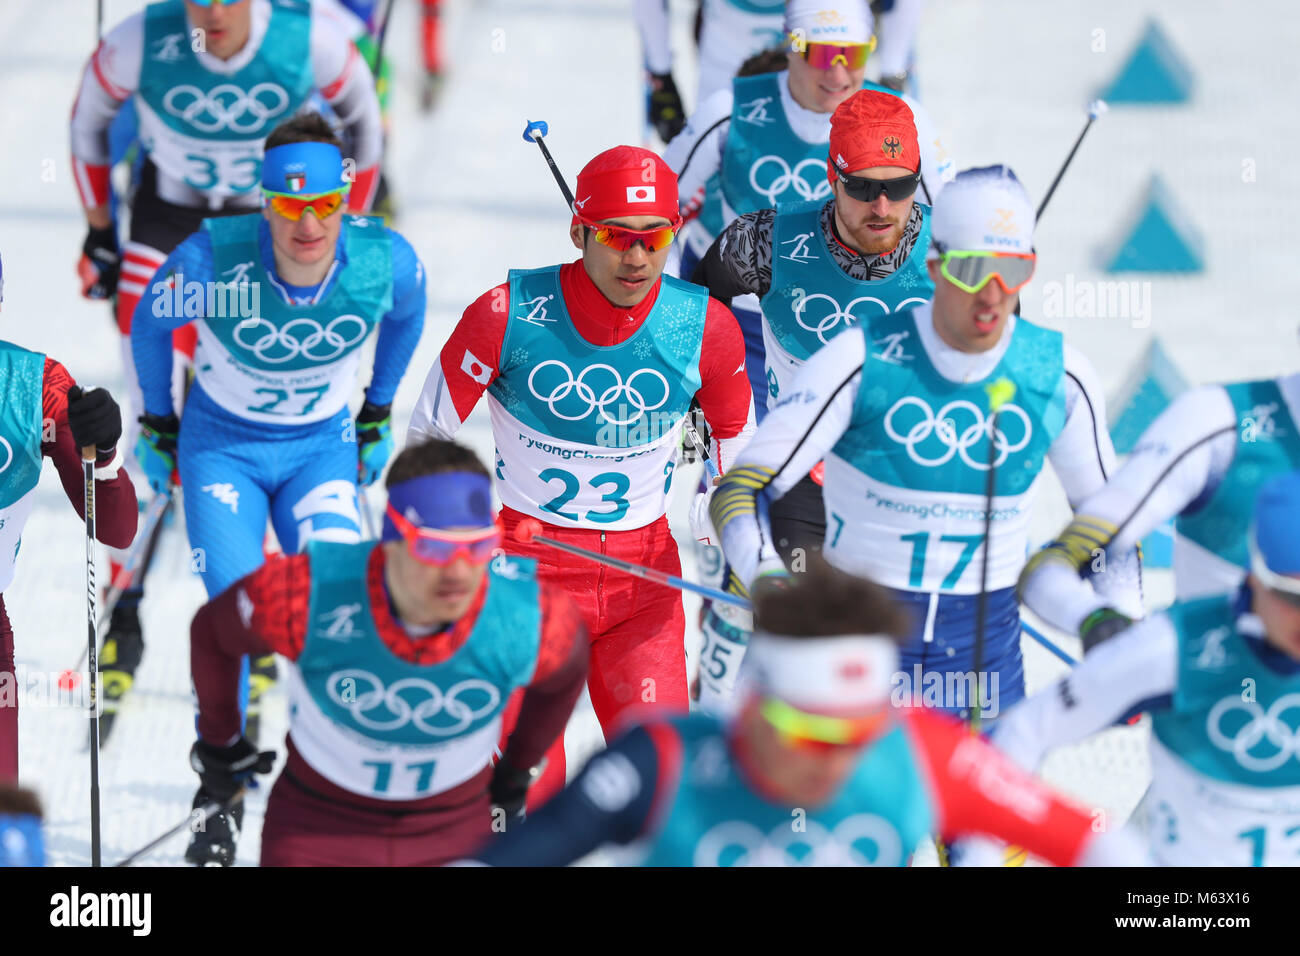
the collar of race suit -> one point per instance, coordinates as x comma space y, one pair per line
597, 319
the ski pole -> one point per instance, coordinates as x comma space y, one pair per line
694, 435
533, 133
367, 516
527, 531
1095, 109
379, 43
157, 507
1047, 643
88, 473
999, 392
206, 812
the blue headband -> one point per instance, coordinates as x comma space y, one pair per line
449, 499
21, 843
303, 169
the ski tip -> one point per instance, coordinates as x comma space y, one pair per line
535, 129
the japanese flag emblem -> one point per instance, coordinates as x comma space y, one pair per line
475, 369
640, 194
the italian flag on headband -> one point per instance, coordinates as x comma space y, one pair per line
295, 181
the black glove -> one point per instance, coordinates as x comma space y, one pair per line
666, 110
223, 770
1101, 625
100, 263
509, 788
94, 419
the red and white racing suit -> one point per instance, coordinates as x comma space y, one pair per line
637, 627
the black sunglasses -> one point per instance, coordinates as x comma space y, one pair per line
866, 190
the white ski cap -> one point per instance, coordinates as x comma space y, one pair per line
829, 21
844, 674
983, 210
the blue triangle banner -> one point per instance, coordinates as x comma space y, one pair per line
1154, 73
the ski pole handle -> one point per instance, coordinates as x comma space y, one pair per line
694, 435
534, 132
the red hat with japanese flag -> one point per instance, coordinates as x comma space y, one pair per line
626, 181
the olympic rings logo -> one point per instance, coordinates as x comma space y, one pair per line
274, 345
846, 845
1263, 725
836, 315
944, 428
226, 105
9, 454
607, 389
397, 712
788, 178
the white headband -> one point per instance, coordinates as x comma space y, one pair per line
826, 675
829, 21
1267, 576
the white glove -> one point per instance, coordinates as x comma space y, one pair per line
701, 523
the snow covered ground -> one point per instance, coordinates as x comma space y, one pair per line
1006, 81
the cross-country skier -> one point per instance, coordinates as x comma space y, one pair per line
817, 267
1201, 461
404, 655
267, 431
46, 414
208, 80
1220, 676
590, 368
762, 141
817, 768
898, 408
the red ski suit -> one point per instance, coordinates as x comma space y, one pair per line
637, 627
115, 521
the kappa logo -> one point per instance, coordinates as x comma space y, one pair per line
168, 48
536, 310
476, 368
893, 351
238, 272
755, 112
225, 493
336, 624
800, 252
